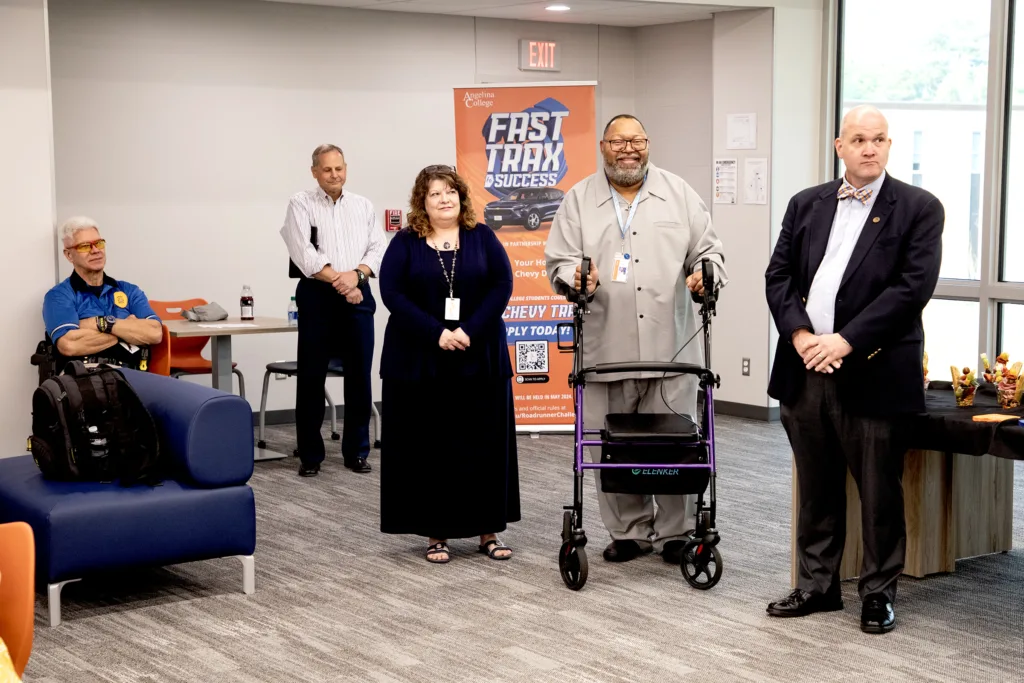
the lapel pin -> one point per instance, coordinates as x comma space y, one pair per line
875, 219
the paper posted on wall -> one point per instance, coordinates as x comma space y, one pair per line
755, 181
741, 131
725, 181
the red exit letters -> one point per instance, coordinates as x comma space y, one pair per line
538, 55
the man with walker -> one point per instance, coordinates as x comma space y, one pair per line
647, 232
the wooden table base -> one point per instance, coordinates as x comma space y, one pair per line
956, 506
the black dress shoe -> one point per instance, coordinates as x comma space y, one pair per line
877, 615
309, 470
624, 551
800, 603
673, 552
358, 465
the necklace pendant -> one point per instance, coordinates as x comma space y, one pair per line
447, 245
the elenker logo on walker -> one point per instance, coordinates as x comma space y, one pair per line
658, 471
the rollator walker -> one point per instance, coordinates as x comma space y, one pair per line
667, 454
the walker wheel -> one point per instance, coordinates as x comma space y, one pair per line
572, 563
701, 564
261, 444
335, 436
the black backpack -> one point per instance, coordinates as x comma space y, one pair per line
88, 424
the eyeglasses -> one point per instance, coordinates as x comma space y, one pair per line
638, 144
86, 247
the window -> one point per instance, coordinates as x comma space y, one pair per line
977, 158
932, 84
1011, 331
951, 336
917, 177
1013, 226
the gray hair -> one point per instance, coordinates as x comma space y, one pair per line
74, 225
324, 149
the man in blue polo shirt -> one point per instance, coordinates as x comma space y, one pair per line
91, 315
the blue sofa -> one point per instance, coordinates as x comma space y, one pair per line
205, 509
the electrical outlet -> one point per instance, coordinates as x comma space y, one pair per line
278, 375
746, 367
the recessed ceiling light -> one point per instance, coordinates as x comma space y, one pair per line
557, 8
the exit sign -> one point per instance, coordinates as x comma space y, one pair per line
539, 55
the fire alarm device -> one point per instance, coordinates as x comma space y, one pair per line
393, 220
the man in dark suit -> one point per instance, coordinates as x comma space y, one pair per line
856, 263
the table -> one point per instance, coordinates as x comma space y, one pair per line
957, 487
220, 333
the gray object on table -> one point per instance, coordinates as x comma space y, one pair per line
205, 313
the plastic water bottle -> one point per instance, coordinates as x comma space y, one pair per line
293, 313
247, 305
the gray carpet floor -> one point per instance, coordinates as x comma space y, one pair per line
338, 601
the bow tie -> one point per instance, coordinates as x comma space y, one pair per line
847, 191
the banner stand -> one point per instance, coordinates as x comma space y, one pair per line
520, 147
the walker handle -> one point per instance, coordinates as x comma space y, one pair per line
673, 368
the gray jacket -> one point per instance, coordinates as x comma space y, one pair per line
649, 317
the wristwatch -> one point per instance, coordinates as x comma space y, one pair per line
104, 323
361, 275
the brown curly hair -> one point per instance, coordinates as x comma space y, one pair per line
419, 222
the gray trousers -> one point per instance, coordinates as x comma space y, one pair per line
632, 516
827, 439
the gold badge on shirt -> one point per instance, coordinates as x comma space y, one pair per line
120, 299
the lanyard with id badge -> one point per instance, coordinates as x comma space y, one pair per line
451, 304
620, 265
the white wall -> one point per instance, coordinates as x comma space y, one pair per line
183, 127
797, 99
742, 74
26, 195
618, 71
673, 98
605, 54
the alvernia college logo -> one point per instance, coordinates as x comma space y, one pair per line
478, 99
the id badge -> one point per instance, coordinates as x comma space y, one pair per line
621, 266
451, 309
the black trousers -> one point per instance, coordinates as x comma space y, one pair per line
331, 328
826, 439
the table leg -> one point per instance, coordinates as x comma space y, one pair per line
220, 350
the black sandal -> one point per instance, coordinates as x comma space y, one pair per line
492, 547
437, 549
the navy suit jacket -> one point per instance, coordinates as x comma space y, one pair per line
890, 278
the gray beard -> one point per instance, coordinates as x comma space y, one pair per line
626, 177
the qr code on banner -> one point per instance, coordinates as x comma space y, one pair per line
531, 356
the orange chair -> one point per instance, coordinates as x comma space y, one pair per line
186, 352
160, 354
17, 591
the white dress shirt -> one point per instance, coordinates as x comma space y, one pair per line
851, 215
347, 232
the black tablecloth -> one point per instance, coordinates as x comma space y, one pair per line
945, 427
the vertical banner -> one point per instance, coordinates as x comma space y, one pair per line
520, 148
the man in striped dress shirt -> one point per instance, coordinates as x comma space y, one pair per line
334, 240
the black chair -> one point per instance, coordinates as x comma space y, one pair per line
290, 369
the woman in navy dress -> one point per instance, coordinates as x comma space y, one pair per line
449, 466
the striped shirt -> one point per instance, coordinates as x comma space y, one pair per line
347, 232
